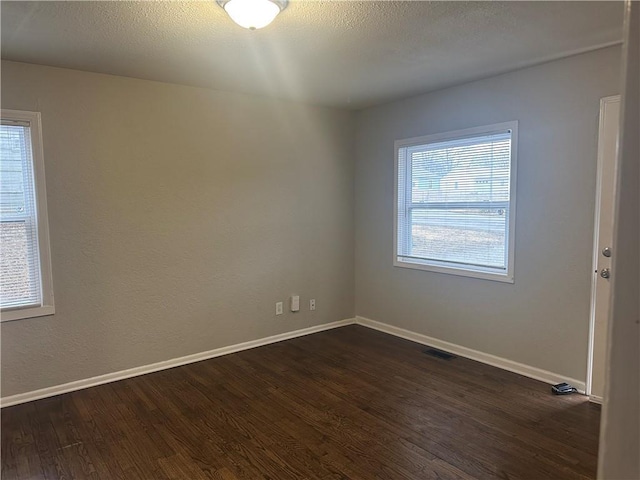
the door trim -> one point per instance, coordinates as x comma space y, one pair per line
596, 228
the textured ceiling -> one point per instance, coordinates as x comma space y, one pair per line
338, 53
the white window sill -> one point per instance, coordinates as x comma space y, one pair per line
22, 313
462, 272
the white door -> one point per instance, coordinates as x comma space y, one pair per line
603, 239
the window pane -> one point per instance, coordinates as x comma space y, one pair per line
462, 236
13, 171
469, 170
20, 282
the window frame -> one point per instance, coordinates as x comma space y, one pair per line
445, 267
46, 306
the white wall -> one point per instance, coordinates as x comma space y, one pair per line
620, 431
543, 319
178, 217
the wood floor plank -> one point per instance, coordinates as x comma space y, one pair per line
349, 403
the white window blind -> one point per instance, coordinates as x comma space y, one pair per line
454, 201
21, 269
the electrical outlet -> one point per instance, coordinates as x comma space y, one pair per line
279, 308
312, 304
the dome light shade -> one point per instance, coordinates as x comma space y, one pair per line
253, 14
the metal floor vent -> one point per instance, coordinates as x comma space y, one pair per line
439, 354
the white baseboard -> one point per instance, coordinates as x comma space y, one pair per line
154, 367
595, 399
505, 364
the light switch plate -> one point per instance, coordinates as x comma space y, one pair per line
295, 303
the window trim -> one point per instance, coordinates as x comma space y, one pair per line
42, 218
446, 267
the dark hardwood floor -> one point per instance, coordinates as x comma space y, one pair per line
347, 403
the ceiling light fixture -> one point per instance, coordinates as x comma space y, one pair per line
253, 14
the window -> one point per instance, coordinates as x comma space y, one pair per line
25, 268
455, 202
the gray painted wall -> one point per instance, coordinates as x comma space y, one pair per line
178, 217
620, 426
543, 319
